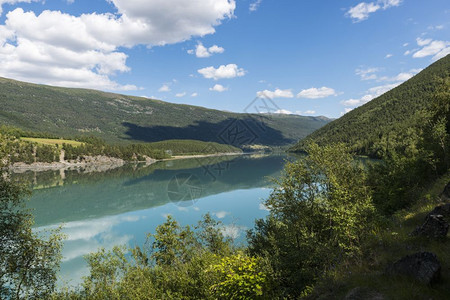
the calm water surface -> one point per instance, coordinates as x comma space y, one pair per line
120, 206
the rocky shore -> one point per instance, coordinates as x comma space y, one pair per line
89, 163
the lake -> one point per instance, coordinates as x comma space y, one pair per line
120, 206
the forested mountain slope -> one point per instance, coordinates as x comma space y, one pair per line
119, 118
366, 129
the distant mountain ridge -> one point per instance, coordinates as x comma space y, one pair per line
365, 127
121, 119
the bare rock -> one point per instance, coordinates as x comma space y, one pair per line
424, 267
360, 293
443, 210
435, 226
445, 195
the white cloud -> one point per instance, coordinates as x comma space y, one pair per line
361, 11
222, 72
370, 94
275, 94
216, 49
310, 112
438, 49
403, 76
83, 51
405, 44
346, 110
389, 55
351, 102
316, 93
367, 74
218, 88
11, 2
255, 5
422, 42
164, 88
202, 52
179, 95
283, 112
194, 94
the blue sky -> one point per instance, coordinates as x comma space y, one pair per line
311, 57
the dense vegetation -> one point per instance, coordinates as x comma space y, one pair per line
376, 126
17, 145
329, 216
124, 119
333, 224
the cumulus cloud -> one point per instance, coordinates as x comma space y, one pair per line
403, 76
422, 42
218, 88
309, 112
194, 94
370, 94
437, 49
179, 95
83, 51
202, 52
283, 112
275, 94
361, 11
389, 55
222, 72
164, 88
316, 93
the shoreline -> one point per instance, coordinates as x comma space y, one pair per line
100, 163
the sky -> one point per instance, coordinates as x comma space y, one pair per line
309, 57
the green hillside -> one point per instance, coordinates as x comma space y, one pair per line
366, 129
121, 119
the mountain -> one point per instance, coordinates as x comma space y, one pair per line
120, 119
365, 127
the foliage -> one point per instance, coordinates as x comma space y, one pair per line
47, 141
240, 277
28, 264
177, 263
320, 215
413, 156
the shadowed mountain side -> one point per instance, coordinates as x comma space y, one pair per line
115, 194
69, 112
235, 132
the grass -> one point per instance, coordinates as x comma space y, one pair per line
52, 142
386, 247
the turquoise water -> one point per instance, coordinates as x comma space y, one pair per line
120, 206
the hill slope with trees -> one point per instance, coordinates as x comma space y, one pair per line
367, 129
122, 119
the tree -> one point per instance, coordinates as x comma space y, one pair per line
319, 215
28, 263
